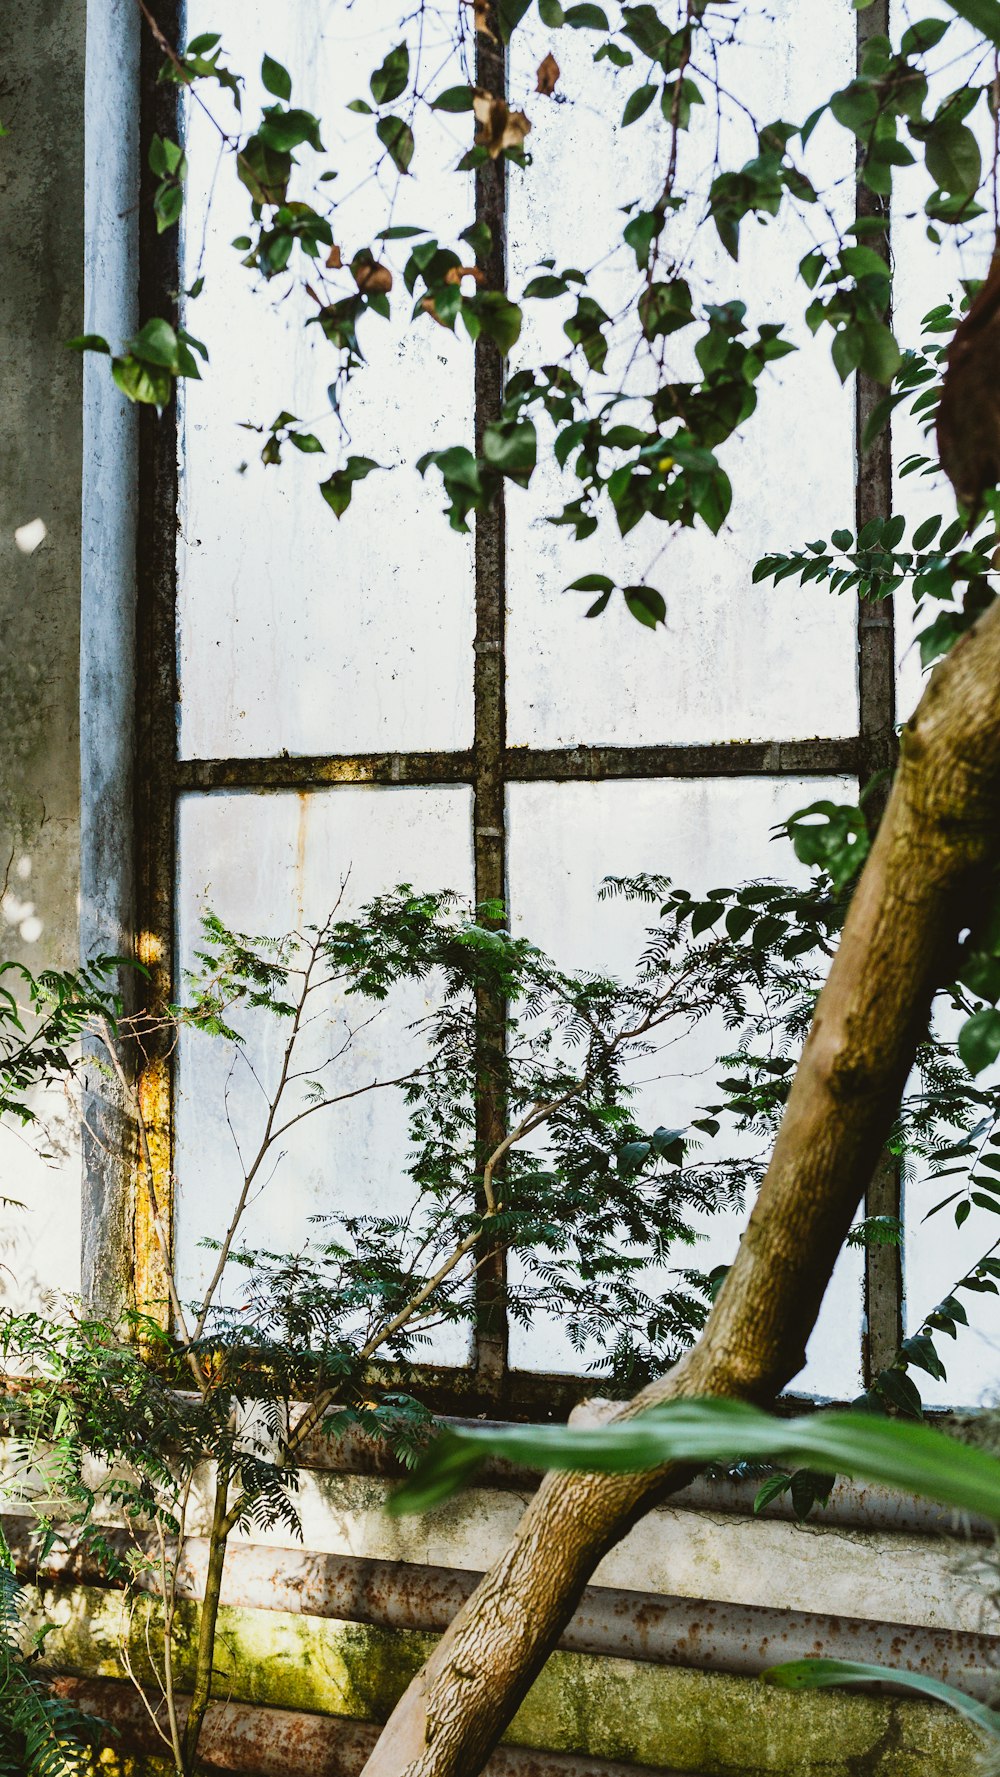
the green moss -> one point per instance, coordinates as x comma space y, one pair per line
641, 1714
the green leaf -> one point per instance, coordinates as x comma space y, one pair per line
396, 138
499, 317
480, 238
633, 1155
551, 13
88, 342
925, 533
809, 1675
587, 18
167, 206
454, 98
393, 77
897, 1453
591, 583
953, 159
772, 1488
646, 605
156, 343
285, 130
922, 36
663, 308
979, 1039
276, 79
306, 441
511, 446
509, 15
983, 15
637, 103
144, 383
339, 487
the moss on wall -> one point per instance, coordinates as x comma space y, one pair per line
641, 1714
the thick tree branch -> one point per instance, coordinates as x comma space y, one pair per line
932, 863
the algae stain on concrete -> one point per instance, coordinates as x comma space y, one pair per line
709, 1723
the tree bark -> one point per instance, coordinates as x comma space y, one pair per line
930, 873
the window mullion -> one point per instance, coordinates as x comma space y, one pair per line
883, 1316
489, 811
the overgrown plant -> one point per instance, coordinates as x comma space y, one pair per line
280, 1347
653, 449
40, 1734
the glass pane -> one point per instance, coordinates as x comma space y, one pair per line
937, 1256
736, 661
271, 864
564, 839
297, 631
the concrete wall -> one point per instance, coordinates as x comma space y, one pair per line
42, 46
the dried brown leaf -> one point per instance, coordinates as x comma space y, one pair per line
548, 74
481, 10
499, 127
456, 273
333, 259
371, 277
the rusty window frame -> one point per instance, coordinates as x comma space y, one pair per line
488, 767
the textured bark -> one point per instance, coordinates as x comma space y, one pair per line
931, 868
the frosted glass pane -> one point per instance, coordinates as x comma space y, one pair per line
736, 661
928, 274
564, 838
937, 1254
298, 631
936, 1257
270, 864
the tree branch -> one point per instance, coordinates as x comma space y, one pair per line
924, 882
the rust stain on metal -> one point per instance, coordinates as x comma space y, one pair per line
240, 1737
705, 1635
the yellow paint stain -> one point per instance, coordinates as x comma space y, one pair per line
300, 857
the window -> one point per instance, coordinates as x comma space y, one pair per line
429, 707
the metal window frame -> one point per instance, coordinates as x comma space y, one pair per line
488, 767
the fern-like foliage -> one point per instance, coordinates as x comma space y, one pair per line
41, 1735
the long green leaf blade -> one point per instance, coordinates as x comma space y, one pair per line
810, 1675
909, 1456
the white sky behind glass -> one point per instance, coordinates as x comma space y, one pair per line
366, 623
736, 661
703, 835
936, 1252
270, 864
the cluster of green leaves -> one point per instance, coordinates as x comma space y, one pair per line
661, 462
952, 569
150, 363
42, 1019
41, 1735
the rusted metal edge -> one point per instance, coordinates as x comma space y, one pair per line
257, 1742
156, 688
882, 1332
586, 764
852, 1504
707, 1635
